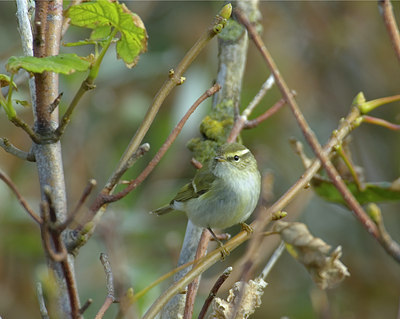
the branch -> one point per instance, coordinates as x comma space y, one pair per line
221, 279
267, 114
386, 10
9, 148
109, 284
21, 200
353, 204
104, 198
42, 305
272, 260
194, 285
175, 78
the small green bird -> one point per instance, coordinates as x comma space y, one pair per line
224, 192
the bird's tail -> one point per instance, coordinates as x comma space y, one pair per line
162, 210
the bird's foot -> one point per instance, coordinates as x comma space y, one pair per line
247, 228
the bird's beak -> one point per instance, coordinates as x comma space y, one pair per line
219, 159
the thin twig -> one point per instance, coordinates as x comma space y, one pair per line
386, 9
42, 305
267, 114
85, 306
272, 260
221, 279
104, 198
175, 78
9, 148
71, 216
241, 121
381, 122
194, 285
110, 299
21, 200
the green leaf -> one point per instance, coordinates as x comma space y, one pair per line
62, 63
5, 81
100, 33
101, 15
23, 103
372, 192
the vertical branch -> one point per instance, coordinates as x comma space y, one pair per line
386, 9
46, 42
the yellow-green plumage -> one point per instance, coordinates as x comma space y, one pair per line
223, 192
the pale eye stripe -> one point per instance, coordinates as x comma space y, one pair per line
239, 153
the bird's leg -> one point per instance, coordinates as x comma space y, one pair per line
247, 228
224, 252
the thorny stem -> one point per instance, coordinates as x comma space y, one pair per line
386, 9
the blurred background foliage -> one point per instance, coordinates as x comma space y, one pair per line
327, 52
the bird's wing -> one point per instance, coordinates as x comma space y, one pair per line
200, 184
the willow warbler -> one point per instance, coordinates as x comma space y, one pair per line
224, 192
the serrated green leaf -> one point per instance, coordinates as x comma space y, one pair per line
5, 81
62, 63
101, 15
100, 33
372, 192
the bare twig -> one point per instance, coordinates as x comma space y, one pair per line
21, 200
9, 148
194, 285
85, 306
104, 198
272, 260
221, 279
267, 114
386, 9
71, 216
42, 305
109, 284
381, 122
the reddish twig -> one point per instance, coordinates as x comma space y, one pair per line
391, 25
380, 122
267, 114
106, 198
21, 200
221, 279
194, 285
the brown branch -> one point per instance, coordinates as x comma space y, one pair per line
221, 279
21, 200
381, 122
194, 285
110, 299
85, 306
105, 198
386, 10
353, 204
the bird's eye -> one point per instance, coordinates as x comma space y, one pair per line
236, 158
